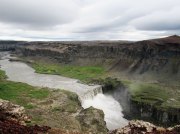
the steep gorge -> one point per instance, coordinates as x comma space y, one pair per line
151, 59
154, 61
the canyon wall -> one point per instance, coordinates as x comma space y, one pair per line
10, 45
159, 58
166, 117
135, 109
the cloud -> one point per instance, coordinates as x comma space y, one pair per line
162, 20
37, 13
88, 19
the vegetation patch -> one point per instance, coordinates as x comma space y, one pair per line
83, 73
155, 94
21, 93
109, 84
2, 75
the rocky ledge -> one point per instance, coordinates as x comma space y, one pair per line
10, 111
141, 127
13, 120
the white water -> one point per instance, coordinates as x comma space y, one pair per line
89, 95
111, 108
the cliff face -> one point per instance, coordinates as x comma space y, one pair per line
152, 113
10, 45
159, 57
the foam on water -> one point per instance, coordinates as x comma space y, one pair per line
111, 108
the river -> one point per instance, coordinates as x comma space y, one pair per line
89, 95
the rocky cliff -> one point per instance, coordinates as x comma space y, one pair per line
150, 108
14, 119
153, 113
157, 59
10, 45
149, 58
154, 61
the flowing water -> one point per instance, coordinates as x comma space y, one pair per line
89, 95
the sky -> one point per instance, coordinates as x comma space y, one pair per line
88, 19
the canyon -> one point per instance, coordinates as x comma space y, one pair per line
143, 76
143, 60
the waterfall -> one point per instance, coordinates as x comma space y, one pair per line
111, 108
90, 94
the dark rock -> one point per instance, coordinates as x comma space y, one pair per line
141, 127
92, 120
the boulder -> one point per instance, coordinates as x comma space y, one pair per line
10, 111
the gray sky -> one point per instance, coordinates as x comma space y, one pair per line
88, 19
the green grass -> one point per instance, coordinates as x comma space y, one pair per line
154, 94
21, 93
83, 73
24, 94
2, 75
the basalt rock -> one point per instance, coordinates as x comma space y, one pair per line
152, 112
10, 45
92, 121
159, 57
141, 127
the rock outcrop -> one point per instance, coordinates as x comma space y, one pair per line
151, 112
141, 127
10, 45
92, 121
10, 111
13, 120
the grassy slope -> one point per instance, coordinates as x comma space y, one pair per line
21, 93
83, 73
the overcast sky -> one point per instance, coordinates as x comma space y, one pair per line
88, 19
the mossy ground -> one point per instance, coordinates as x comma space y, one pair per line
159, 95
2, 75
21, 93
